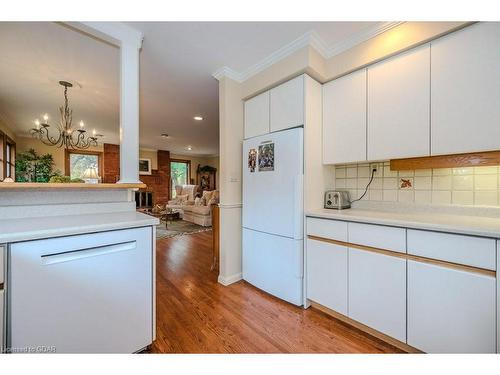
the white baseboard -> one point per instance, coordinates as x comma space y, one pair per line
229, 279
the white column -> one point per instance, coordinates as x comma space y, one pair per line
129, 113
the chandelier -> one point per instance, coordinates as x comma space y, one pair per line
67, 137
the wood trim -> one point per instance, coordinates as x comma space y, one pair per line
476, 159
379, 335
55, 186
84, 152
416, 258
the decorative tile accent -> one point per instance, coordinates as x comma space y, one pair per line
459, 186
406, 183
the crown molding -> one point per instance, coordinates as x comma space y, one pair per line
311, 39
115, 33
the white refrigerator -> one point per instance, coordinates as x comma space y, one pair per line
273, 170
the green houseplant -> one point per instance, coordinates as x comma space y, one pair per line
32, 167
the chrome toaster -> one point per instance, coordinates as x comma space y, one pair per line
337, 199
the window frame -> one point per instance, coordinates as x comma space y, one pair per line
185, 161
67, 164
9, 167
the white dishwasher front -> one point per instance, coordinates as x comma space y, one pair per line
88, 293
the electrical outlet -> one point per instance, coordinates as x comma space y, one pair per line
377, 167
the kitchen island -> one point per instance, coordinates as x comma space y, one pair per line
78, 270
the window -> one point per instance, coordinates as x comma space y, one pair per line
179, 172
83, 164
7, 157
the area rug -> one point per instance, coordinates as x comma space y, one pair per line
178, 228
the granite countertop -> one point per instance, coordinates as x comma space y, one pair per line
15, 230
466, 221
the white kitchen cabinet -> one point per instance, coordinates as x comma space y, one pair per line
398, 106
449, 310
344, 119
2, 268
377, 292
257, 115
326, 281
379, 236
466, 90
287, 105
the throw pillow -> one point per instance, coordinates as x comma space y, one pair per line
197, 201
207, 195
182, 198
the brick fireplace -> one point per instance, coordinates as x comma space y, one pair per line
158, 182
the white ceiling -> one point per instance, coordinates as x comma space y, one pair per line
177, 63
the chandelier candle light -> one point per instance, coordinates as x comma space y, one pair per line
65, 137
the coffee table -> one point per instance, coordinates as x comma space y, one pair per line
170, 214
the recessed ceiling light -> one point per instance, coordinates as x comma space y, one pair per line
198, 118
189, 148
164, 135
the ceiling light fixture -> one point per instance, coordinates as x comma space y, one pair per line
189, 148
165, 135
65, 136
198, 118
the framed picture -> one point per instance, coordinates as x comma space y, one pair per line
266, 157
144, 166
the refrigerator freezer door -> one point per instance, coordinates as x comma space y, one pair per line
273, 199
274, 264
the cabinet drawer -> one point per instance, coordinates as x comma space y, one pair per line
379, 236
2, 268
455, 248
333, 229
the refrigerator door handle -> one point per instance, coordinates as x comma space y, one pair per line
298, 202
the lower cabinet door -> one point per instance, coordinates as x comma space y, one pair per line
326, 281
449, 310
2, 338
377, 292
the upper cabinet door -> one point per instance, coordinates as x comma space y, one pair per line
466, 90
398, 106
344, 119
257, 115
287, 105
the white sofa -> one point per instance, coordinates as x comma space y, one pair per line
185, 195
198, 211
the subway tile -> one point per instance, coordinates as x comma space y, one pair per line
377, 183
351, 172
441, 171
462, 171
362, 182
486, 198
485, 170
340, 183
376, 195
361, 192
441, 182
363, 171
406, 173
390, 183
405, 196
423, 172
423, 196
351, 183
462, 197
441, 197
485, 182
340, 172
463, 182
390, 195
423, 183
353, 194
389, 173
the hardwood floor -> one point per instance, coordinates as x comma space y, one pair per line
196, 314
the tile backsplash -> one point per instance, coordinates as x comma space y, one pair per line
478, 186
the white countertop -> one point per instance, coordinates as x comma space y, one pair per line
55, 226
442, 222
